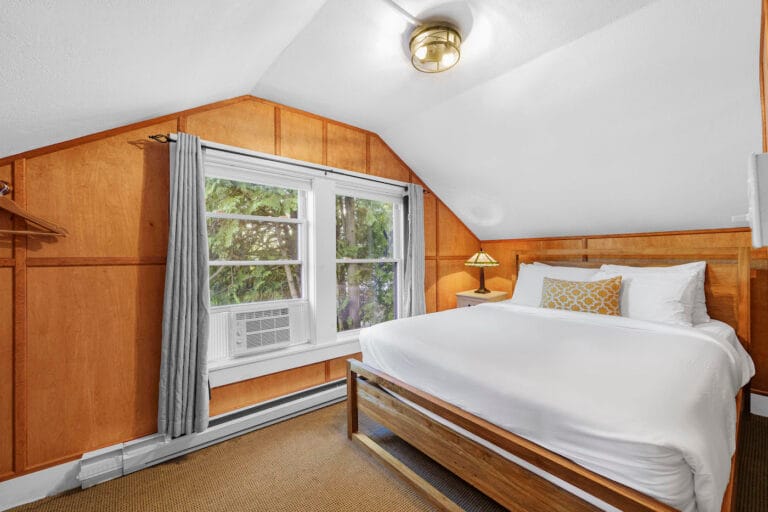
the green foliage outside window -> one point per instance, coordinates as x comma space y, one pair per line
251, 240
365, 291
364, 230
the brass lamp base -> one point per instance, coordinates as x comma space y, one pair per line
482, 288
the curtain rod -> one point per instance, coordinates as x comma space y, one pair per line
166, 138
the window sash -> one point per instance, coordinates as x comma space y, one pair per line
256, 178
368, 260
254, 218
252, 263
397, 257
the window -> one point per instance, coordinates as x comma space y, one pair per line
366, 267
255, 235
299, 260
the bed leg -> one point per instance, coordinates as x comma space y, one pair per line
351, 401
746, 405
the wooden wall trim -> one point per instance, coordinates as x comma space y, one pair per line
623, 235
20, 327
118, 130
368, 153
91, 262
325, 142
181, 123
180, 117
278, 135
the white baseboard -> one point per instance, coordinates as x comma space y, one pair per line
151, 450
758, 404
34, 486
125, 458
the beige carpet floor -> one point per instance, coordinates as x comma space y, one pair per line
303, 464
307, 464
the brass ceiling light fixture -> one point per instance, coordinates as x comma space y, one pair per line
435, 47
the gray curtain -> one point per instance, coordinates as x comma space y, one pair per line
414, 302
183, 406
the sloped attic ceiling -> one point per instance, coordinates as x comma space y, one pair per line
563, 117
72, 68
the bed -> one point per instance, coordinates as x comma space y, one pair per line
592, 424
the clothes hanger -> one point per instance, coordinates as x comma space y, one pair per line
7, 204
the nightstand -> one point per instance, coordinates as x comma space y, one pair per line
470, 298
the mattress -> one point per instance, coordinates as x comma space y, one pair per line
646, 404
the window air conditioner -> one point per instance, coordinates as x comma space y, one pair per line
267, 327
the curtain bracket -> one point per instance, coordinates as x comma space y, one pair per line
160, 137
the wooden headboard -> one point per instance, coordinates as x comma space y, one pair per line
727, 280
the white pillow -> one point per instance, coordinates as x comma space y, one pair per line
699, 315
666, 297
530, 280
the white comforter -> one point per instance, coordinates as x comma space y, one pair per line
646, 404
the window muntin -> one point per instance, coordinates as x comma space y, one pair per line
255, 242
366, 263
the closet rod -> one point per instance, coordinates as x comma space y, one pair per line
163, 138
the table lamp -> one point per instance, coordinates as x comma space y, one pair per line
482, 259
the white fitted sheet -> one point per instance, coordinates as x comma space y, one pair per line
646, 404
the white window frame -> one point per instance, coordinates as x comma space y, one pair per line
301, 245
318, 257
365, 192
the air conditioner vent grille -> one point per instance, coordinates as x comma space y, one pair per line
267, 338
267, 323
268, 329
267, 313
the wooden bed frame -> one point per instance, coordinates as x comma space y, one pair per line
390, 403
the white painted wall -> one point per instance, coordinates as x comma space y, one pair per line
643, 125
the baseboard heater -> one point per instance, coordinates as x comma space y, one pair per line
123, 459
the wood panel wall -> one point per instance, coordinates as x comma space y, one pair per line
80, 317
503, 277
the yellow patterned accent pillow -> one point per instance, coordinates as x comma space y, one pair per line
601, 297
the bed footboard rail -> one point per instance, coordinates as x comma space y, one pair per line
377, 395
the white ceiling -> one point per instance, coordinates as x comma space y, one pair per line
70, 68
644, 125
563, 117
351, 63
